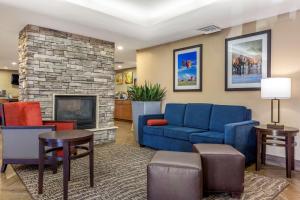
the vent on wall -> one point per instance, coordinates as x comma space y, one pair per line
209, 29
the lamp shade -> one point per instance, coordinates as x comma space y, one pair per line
279, 88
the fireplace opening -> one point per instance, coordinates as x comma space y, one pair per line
79, 108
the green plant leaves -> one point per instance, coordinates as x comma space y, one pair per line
146, 92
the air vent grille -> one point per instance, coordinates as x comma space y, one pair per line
209, 29
119, 62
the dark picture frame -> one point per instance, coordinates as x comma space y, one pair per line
187, 69
247, 61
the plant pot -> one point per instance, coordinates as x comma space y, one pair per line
143, 108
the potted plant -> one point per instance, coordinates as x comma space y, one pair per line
146, 99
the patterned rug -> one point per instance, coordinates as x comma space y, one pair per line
120, 174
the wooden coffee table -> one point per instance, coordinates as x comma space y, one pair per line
65, 140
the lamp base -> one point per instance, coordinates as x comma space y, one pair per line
275, 126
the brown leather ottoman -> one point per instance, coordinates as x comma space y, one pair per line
174, 176
223, 168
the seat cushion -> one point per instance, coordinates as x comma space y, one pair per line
182, 133
61, 125
207, 137
155, 130
197, 115
174, 113
224, 114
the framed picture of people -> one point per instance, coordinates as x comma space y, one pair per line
187, 72
247, 61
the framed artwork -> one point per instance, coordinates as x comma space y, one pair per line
247, 61
128, 76
119, 79
187, 72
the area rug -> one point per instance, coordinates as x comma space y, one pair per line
120, 174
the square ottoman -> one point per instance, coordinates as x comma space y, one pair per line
174, 176
223, 168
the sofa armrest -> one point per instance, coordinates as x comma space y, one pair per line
22, 142
62, 125
241, 135
143, 121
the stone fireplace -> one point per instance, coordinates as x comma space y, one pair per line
56, 65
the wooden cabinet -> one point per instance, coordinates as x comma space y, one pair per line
123, 110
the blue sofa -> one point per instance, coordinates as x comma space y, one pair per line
194, 123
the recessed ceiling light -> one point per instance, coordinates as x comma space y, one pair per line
120, 47
119, 66
14, 63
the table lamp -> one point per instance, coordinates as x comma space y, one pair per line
275, 89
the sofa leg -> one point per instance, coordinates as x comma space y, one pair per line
3, 167
236, 195
141, 145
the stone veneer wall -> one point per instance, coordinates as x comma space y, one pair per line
55, 62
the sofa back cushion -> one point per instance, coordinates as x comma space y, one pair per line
174, 113
197, 115
225, 114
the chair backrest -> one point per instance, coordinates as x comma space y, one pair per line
22, 114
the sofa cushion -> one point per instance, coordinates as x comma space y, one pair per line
207, 137
197, 115
181, 133
155, 130
157, 122
174, 113
224, 114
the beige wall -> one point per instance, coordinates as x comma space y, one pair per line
156, 65
5, 82
123, 87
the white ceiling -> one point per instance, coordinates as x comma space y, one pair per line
134, 24
143, 12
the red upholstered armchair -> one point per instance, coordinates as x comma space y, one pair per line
21, 125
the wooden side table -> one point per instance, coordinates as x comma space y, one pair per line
276, 137
64, 140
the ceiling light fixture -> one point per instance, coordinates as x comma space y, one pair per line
14, 63
119, 66
120, 47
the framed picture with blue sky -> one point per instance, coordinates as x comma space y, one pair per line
247, 61
187, 72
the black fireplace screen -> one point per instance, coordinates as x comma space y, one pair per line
79, 108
